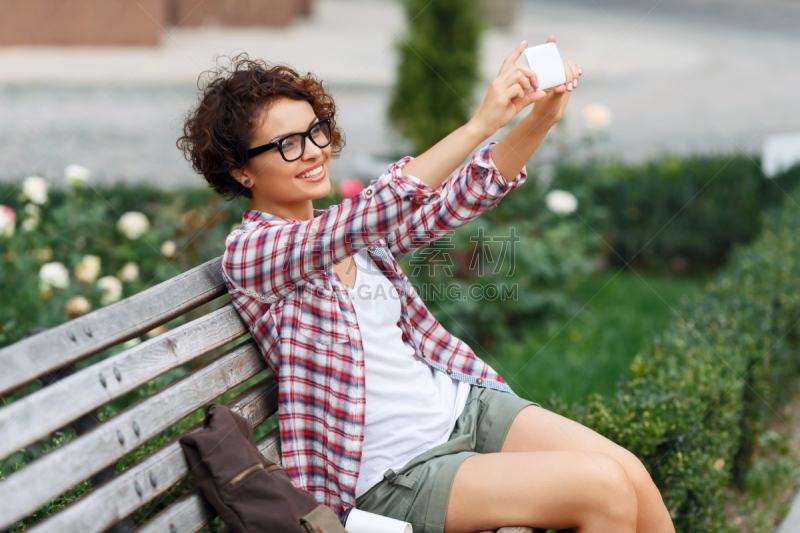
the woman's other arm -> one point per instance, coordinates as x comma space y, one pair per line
522, 141
504, 99
487, 178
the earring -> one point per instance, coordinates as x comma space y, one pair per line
247, 182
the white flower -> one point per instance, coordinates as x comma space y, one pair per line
53, 274
112, 287
597, 115
561, 202
88, 269
30, 223
129, 272
133, 224
76, 175
168, 249
77, 306
8, 220
34, 189
34, 212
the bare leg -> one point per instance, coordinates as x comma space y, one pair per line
538, 429
553, 490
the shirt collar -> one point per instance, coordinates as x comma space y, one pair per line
254, 215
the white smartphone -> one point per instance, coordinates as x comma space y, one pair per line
545, 61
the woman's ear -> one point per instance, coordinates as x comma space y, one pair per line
239, 175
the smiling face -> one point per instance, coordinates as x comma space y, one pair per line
280, 187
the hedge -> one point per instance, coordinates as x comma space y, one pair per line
703, 392
671, 213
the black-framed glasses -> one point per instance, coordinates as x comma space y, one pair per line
293, 146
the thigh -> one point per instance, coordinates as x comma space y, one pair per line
418, 493
550, 490
536, 429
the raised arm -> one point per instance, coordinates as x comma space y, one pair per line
483, 182
270, 257
522, 141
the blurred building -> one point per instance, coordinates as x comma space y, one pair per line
127, 22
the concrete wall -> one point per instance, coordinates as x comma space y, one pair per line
129, 22
237, 12
81, 21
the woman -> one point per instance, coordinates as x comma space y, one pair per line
380, 407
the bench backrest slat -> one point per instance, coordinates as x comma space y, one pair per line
55, 473
26, 360
52, 407
191, 512
109, 503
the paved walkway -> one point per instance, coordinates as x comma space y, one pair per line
677, 75
791, 522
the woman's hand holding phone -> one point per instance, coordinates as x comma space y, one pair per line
550, 107
508, 93
516, 87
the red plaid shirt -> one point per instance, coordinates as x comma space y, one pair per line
280, 278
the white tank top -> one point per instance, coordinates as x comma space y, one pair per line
410, 406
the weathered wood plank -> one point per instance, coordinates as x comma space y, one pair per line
111, 502
50, 408
191, 512
28, 489
270, 446
24, 361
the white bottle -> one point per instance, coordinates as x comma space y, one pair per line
358, 521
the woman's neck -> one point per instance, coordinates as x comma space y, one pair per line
302, 210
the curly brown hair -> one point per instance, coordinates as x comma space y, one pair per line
216, 132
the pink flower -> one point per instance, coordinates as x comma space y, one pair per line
8, 217
350, 187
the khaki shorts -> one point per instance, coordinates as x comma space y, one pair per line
418, 492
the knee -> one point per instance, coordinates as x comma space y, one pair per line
636, 470
616, 501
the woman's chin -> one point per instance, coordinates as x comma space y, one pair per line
320, 189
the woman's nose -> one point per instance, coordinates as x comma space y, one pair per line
312, 151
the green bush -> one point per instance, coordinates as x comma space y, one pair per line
679, 214
702, 393
75, 223
530, 278
438, 69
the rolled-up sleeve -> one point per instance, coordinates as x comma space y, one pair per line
272, 258
476, 187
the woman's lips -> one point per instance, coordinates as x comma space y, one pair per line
318, 177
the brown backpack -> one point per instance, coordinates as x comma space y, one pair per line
250, 493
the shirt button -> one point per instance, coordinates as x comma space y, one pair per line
368, 192
480, 381
371, 247
449, 371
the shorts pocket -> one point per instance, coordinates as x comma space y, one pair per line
392, 499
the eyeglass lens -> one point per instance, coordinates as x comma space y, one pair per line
292, 147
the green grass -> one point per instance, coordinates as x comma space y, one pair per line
616, 313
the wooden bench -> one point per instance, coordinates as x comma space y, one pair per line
76, 394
